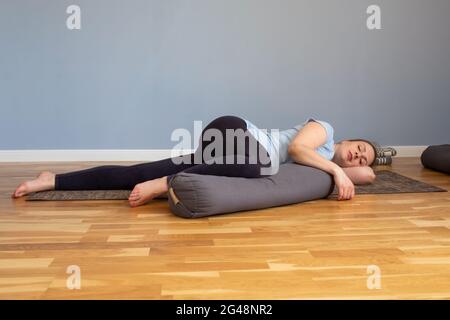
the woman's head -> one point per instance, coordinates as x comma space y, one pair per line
354, 153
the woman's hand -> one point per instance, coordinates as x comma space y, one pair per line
344, 185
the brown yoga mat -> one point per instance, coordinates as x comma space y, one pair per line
391, 182
386, 182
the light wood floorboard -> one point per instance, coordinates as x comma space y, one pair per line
319, 249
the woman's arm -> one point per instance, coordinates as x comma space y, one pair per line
302, 148
308, 156
302, 151
360, 175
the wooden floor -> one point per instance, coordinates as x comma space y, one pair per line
321, 249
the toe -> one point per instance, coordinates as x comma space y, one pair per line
133, 204
20, 191
133, 199
136, 202
133, 194
141, 202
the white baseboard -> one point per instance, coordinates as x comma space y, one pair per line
409, 151
87, 155
129, 155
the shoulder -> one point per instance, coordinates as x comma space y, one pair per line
327, 126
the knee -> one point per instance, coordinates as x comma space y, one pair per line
227, 122
227, 118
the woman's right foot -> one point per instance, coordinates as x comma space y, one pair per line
45, 181
146, 191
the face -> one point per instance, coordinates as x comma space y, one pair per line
354, 154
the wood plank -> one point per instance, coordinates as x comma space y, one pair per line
320, 249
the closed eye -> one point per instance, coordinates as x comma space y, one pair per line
361, 160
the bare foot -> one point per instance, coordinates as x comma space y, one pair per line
44, 181
146, 191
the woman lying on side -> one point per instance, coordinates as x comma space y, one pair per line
310, 143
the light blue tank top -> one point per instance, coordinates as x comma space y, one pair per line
277, 144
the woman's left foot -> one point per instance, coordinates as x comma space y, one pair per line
44, 181
146, 191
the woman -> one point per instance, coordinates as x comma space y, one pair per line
310, 143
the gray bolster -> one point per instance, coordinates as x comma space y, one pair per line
195, 195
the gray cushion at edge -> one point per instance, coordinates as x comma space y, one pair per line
437, 158
195, 196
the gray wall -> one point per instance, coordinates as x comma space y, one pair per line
140, 68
